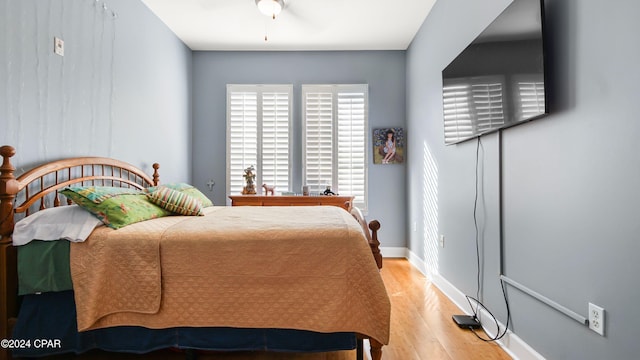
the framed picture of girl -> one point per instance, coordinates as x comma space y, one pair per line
388, 146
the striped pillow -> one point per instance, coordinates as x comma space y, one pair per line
175, 201
189, 190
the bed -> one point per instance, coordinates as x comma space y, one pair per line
230, 278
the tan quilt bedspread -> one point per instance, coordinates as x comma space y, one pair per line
306, 268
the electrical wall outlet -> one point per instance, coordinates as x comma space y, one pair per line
596, 319
441, 240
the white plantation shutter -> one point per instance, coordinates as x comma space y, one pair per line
487, 100
457, 112
529, 96
276, 117
472, 106
318, 140
335, 119
242, 136
352, 115
258, 133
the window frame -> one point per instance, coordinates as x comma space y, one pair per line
335, 90
259, 89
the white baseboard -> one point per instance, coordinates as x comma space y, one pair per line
393, 252
511, 343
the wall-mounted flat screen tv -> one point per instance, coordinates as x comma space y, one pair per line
499, 79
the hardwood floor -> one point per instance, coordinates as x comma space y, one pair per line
421, 325
421, 328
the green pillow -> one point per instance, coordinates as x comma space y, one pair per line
175, 201
189, 190
115, 207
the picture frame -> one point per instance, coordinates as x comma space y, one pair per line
388, 145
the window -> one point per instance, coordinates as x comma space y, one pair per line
529, 96
472, 105
258, 133
487, 99
457, 114
335, 119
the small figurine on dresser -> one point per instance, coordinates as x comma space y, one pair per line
328, 191
249, 177
268, 189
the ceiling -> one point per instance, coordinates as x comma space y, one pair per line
302, 24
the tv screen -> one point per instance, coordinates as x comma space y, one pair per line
498, 80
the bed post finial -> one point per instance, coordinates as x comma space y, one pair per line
8, 191
374, 225
156, 175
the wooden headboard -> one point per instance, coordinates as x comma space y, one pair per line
42, 183
38, 189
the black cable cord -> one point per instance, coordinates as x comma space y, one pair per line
479, 304
498, 335
475, 223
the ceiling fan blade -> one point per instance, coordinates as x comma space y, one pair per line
312, 13
218, 5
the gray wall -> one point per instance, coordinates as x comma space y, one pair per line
122, 90
384, 71
570, 179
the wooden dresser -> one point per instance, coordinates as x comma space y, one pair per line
345, 202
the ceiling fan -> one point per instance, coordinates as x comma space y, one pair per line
306, 11
270, 8
296, 15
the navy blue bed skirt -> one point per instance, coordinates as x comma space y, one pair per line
52, 317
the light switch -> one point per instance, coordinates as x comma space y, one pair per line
58, 46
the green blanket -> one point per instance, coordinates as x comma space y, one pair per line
43, 266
